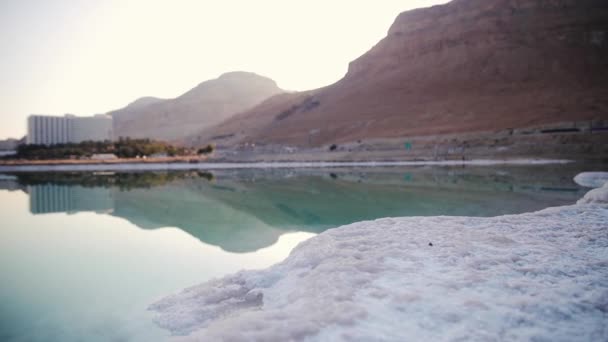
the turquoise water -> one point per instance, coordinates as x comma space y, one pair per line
82, 255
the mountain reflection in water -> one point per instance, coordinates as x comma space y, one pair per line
246, 210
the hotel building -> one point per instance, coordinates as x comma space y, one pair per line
50, 130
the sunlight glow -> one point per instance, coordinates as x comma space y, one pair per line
87, 57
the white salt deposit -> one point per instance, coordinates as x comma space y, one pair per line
538, 276
591, 179
599, 195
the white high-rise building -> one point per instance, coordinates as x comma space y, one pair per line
51, 130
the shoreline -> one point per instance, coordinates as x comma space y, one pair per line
206, 165
149, 160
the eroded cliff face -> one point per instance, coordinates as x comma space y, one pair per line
467, 66
495, 41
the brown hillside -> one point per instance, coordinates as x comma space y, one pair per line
467, 66
207, 104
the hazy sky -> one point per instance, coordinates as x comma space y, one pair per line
86, 57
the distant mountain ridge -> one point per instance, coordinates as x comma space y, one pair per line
144, 101
466, 66
203, 106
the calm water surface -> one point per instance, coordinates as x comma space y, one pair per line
82, 255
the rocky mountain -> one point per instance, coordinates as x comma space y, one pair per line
207, 104
466, 66
143, 101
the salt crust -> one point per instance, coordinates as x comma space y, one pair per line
537, 276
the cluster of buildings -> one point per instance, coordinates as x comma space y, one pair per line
51, 130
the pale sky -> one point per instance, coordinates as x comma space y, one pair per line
93, 56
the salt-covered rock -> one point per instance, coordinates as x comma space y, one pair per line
591, 179
598, 196
538, 276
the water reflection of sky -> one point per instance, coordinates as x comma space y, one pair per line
83, 255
